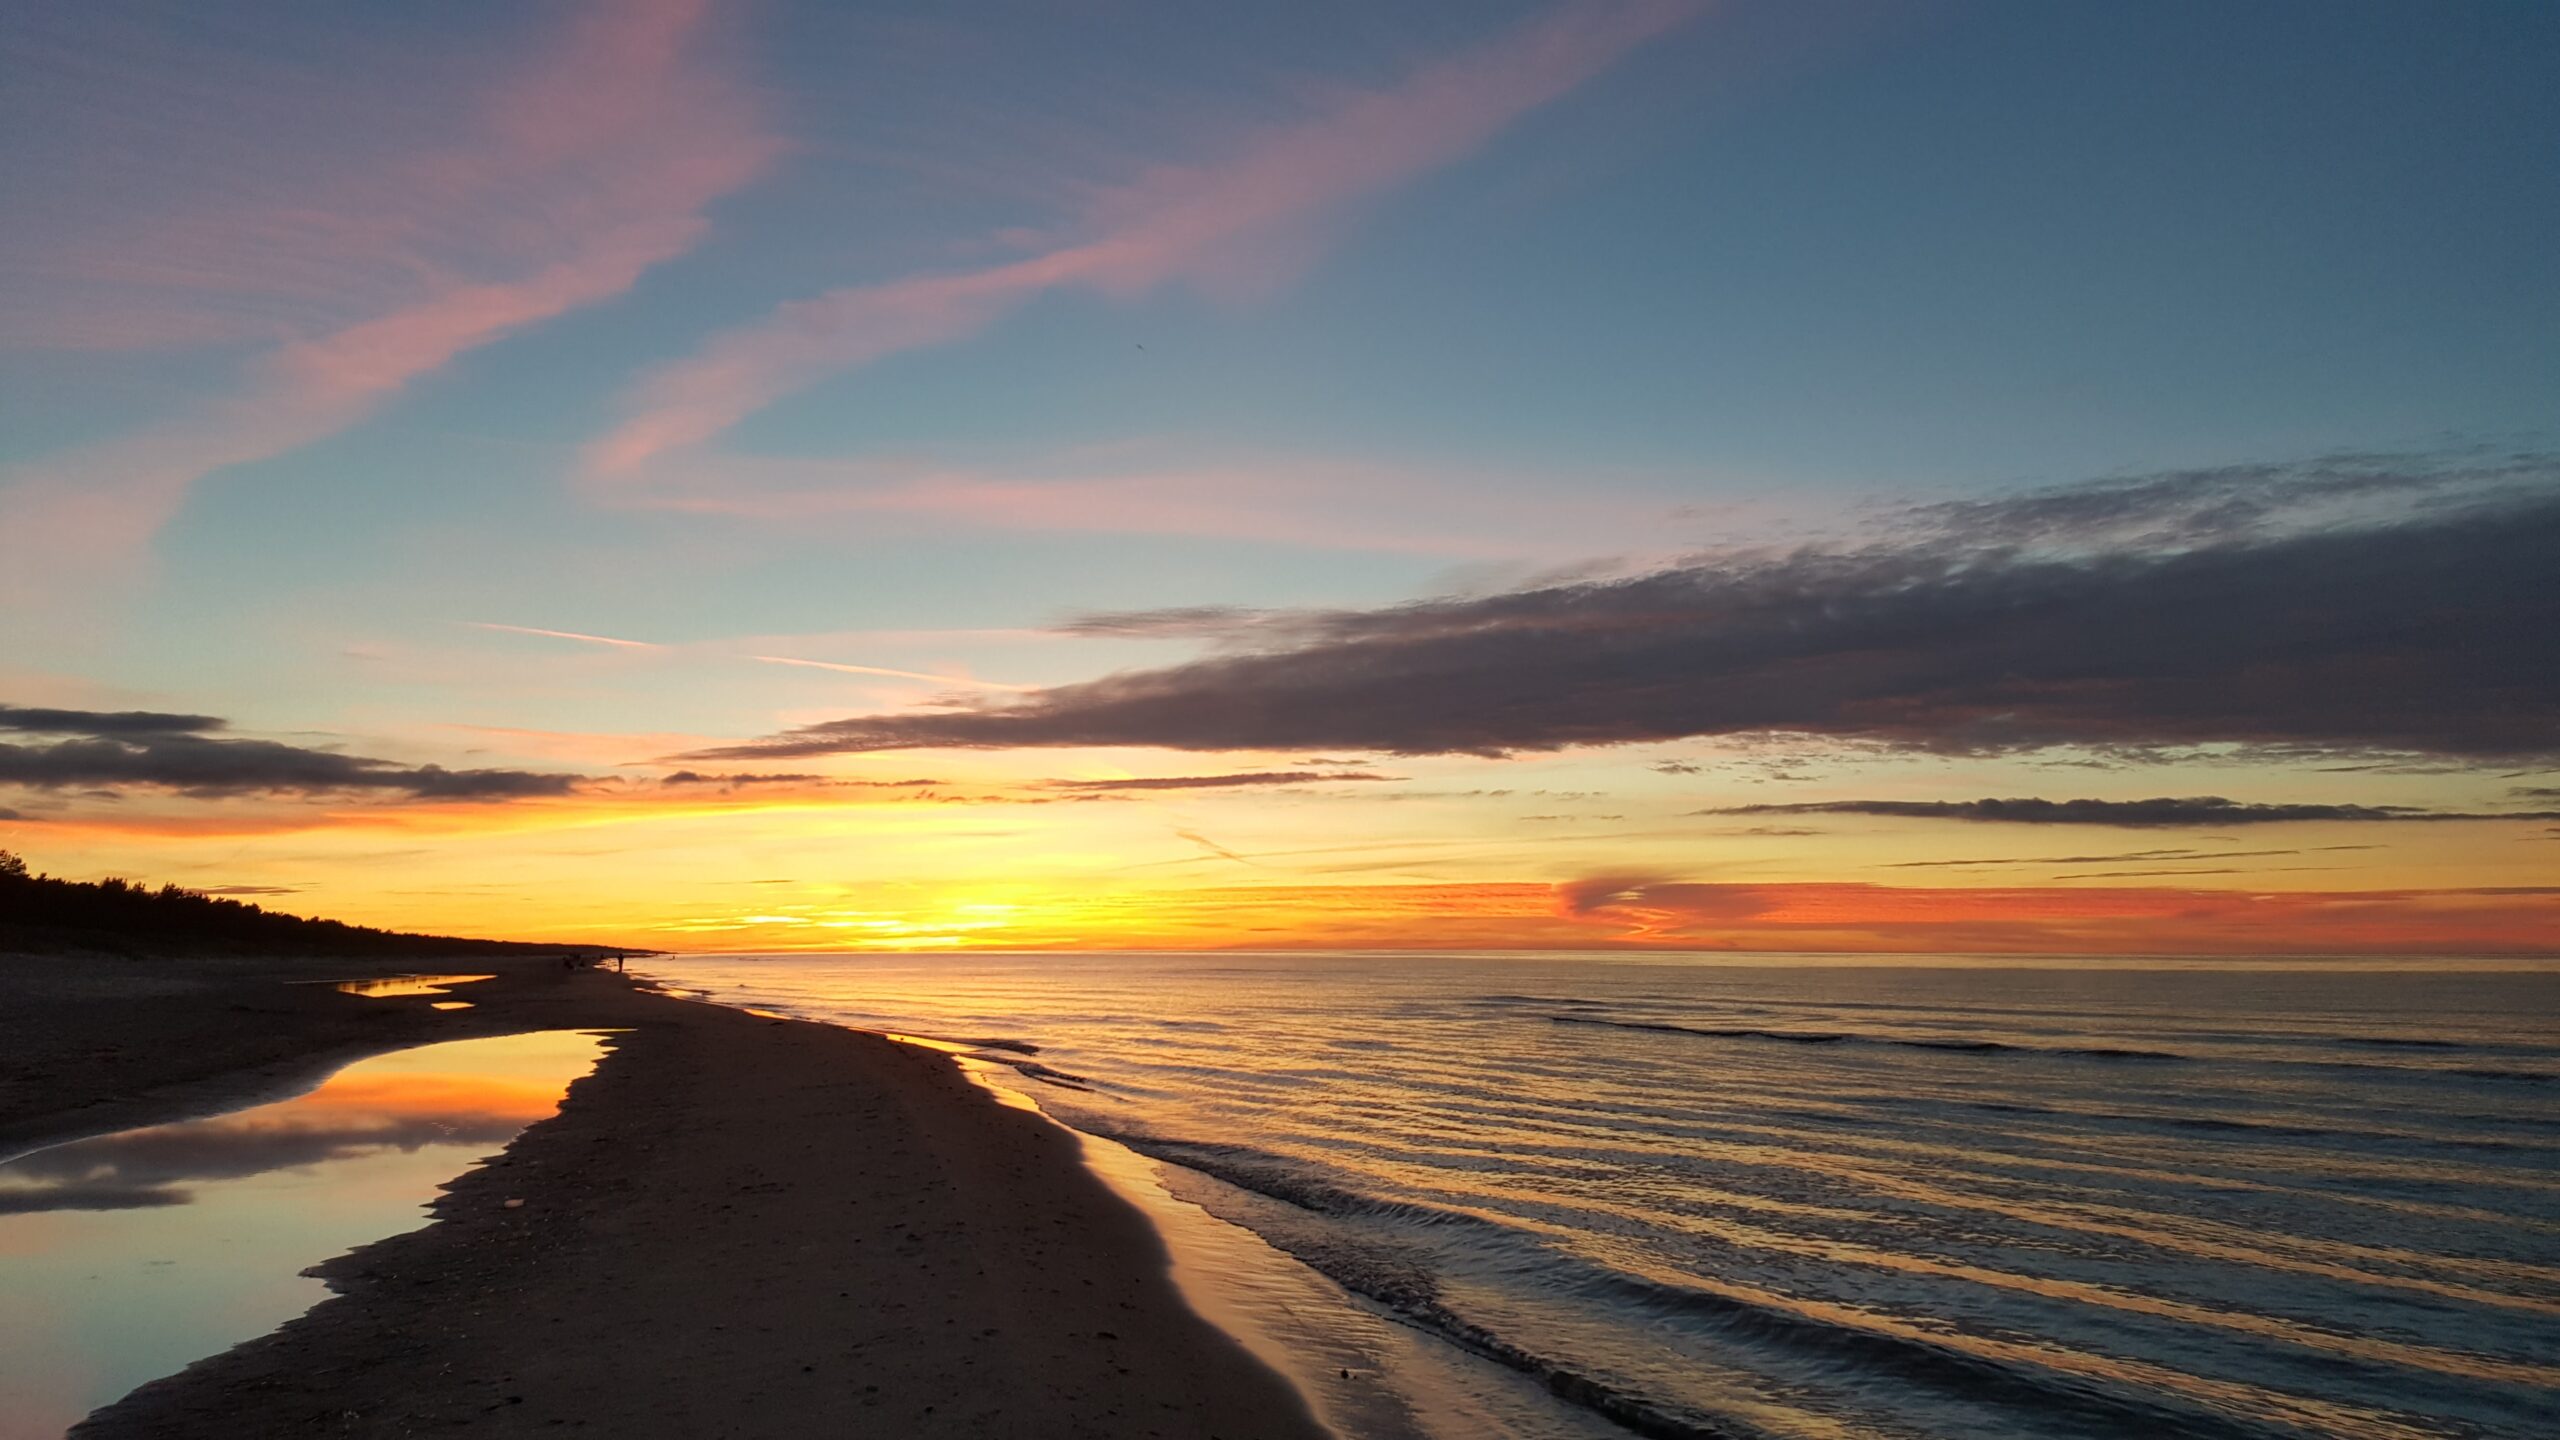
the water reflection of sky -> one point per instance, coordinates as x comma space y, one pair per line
405, 985
125, 1257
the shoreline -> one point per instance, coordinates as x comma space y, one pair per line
736, 1225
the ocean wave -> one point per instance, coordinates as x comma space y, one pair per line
1019, 1047
1400, 1278
1270, 1175
2066, 1403
1692, 1217
2427, 1072
1842, 1037
1954, 1046
1035, 1070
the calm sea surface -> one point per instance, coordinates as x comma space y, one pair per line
1703, 1197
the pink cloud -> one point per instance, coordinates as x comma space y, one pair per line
1215, 225
1455, 513
570, 179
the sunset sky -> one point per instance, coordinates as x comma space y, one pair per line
1936, 476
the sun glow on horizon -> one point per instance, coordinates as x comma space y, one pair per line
1610, 474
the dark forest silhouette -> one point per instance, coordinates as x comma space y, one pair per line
42, 913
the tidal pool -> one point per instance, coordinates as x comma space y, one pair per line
397, 985
126, 1257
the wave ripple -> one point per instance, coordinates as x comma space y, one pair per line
1706, 1199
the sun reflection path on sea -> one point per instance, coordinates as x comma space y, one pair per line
127, 1256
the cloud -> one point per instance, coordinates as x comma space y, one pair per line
892, 674
1223, 624
1218, 782
1600, 892
684, 779
1693, 902
2124, 856
563, 184
103, 722
2226, 502
2156, 814
2434, 633
1195, 224
1651, 910
565, 635
1162, 487
108, 749
1214, 848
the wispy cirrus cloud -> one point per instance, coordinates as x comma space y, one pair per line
2121, 857
720, 650
2166, 813
1253, 779
568, 179
1150, 488
565, 635
844, 668
1178, 223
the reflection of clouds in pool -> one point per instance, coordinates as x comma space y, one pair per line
86, 1195
141, 1167
125, 1256
394, 1102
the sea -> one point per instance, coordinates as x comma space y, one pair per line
1692, 1195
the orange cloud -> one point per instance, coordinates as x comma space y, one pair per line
1197, 224
1863, 917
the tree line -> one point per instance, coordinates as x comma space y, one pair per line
40, 912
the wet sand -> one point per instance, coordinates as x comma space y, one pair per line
735, 1227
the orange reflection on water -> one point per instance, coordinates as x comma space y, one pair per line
396, 985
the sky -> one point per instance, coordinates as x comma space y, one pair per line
1836, 477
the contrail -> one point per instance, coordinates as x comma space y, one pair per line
900, 674
563, 635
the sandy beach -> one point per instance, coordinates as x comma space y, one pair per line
736, 1226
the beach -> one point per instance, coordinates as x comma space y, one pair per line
737, 1225
1569, 1198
